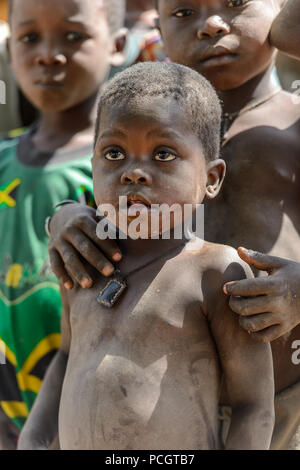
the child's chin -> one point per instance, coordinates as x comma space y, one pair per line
54, 101
52, 107
225, 81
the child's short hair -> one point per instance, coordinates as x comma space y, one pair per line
190, 89
115, 9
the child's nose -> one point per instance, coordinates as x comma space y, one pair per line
50, 56
136, 176
213, 26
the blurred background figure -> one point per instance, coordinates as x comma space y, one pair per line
140, 20
9, 112
15, 113
144, 42
141, 15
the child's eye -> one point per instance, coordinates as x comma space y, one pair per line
183, 13
164, 156
114, 155
75, 37
29, 38
237, 3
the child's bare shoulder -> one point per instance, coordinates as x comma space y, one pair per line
218, 260
282, 114
275, 123
212, 266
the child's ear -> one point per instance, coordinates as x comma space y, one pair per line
216, 171
118, 56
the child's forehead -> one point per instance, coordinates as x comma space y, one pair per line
77, 10
210, 3
149, 112
152, 127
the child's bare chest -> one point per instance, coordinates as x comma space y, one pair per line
258, 203
152, 351
159, 312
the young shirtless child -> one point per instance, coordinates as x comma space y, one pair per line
146, 374
61, 53
258, 208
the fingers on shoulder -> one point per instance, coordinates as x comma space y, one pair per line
224, 265
231, 266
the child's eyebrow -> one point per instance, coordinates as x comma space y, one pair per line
112, 133
167, 133
66, 20
26, 23
74, 22
78, 22
169, 2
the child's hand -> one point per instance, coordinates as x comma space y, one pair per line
73, 235
269, 306
285, 30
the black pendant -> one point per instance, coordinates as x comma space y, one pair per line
112, 291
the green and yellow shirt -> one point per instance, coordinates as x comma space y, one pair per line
30, 305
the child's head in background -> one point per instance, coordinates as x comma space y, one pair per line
61, 51
225, 40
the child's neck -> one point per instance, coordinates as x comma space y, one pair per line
70, 129
139, 252
255, 89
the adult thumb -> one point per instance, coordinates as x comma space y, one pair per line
260, 260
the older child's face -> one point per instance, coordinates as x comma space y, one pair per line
225, 40
149, 154
60, 50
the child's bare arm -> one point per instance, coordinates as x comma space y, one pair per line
285, 31
41, 427
247, 373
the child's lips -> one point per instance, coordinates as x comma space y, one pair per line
47, 84
135, 207
55, 81
137, 199
217, 56
135, 204
218, 60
